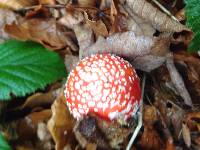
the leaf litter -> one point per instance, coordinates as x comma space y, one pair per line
137, 30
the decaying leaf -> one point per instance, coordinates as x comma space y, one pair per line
71, 20
97, 26
87, 131
70, 62
27, 127
61, 124
6, 17
158, 19
150, 139
50, 2
46, 32
191, 120
178, 81
186, 134
15, 4
85, 38
150, 115
38, 100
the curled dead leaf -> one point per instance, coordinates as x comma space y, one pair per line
38, 100
186, 134
70, 20
191, 120
44, 31
70, 62
61, 124
97, 26
150, 115
6, 17
158, 19
150, 139
47, 2
16, 4
27, 127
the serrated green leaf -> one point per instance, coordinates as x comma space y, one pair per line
3, 143
27, 66
193, 21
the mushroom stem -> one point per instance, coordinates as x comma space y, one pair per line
137, 129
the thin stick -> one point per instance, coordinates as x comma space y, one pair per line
165, 10
137, 129
48, 6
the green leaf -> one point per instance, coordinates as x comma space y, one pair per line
26, 67
3, 143
193, 21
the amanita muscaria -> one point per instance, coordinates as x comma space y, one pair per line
105, 85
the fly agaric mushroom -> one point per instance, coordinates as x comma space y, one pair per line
105, 85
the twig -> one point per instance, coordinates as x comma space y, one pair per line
35, 6
165, 10
137, 129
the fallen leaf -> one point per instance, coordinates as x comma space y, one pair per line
70, 62
15, 4
87, 131
6, 17
130, 46
38, 12
178, 81
191, 120
158, 19
150, 115
186, 135
91, 146
150, 139
38, 100
70, 20
170, 145
97, 26
86, 3
85, 38
61, 124
44, 31
27, 127
47, 2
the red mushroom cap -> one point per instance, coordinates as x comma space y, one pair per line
103, 84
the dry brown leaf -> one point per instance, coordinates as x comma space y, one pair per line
180, 15
27, 127
38, 100
91, 146
186, 134
150, 139
38, 12
61, 123
47, 2
87, 3
178, 81
70, 62
150, 115
70, 20
44, 31
97, 26
126, 44
158, 19
16, 4
170, 145
85, 38
191, 120
6, 17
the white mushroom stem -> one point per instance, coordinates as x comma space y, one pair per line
137, 129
